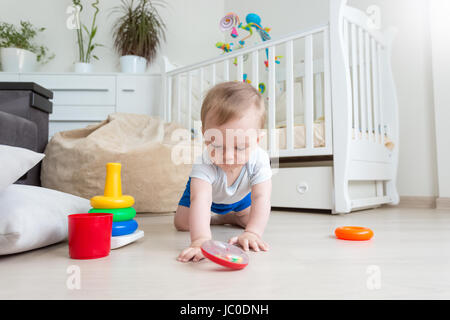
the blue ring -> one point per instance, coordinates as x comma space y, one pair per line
121, 228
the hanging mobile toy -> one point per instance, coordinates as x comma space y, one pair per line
225, 254
226, 47
254, 20
262, 87
229, 22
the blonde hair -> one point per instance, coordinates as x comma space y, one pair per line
228, 100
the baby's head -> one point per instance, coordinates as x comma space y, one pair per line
232, 115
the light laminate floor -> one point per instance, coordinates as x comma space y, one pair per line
408, 258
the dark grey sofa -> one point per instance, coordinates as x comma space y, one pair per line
24, 113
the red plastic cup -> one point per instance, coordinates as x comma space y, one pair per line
90, 235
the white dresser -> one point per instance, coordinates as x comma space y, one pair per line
83, 99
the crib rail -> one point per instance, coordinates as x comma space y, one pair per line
174, 92
365, 47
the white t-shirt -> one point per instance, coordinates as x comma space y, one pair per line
255, 171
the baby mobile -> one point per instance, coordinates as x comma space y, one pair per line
231, 22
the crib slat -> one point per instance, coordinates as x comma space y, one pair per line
380, 93
346, 37
169, 99
368, 86
362, 86
201, 80
226, 70
271, 113
213, 74
327, 88
355, 83
376, 103
240, 68
200, 85
189, 101
178, 99
309, 92
255, 69
318, 100
289, 96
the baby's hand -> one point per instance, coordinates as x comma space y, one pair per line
249, 239
193, 253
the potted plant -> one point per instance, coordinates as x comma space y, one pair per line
86, 45
18, 51
138, 33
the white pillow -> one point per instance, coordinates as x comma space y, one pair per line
33, 217
15, 162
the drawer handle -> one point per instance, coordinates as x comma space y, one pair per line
128, 90
80, 89
302, 187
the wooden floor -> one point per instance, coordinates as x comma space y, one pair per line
408, 258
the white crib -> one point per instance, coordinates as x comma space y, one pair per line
337, 142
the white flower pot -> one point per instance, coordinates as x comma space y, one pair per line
133, 64
82, 67
17, 60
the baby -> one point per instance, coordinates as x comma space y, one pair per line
232, 178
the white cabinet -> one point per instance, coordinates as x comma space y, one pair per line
138, 94
9, 77
83, 99
73, 90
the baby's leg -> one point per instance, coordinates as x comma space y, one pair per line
235, 218
242, 217
181, 218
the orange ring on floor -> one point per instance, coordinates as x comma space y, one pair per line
353, 233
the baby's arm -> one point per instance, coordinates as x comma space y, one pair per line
199, 219
260, 209
259, 216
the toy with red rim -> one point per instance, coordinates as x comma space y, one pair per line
225, 254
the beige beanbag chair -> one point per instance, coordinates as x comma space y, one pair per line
76, 160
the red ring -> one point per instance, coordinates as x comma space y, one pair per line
353, 233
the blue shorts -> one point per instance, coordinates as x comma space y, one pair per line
218, 208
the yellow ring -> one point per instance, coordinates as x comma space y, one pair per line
102, 202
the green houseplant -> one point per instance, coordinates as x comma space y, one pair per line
18, 50
138, 33
85, 41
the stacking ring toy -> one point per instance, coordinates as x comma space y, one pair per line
122, 228
121, 214
353, 233
225, 254
103, 202
112, 197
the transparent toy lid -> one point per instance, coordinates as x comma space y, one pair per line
225, 254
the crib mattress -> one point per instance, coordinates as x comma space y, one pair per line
299, 136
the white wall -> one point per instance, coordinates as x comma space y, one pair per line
189, 33
440, 31
193, 31
411, 62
